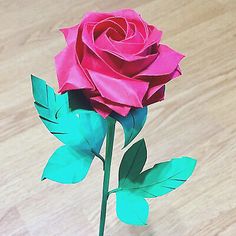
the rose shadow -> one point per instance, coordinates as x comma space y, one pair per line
77, 100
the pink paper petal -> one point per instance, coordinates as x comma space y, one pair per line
133, 34
158, 82
132, 16
70, 33
119, 108
105, 65
154, 36
165, 63
101, 26
69, 72
127, 49
156, 97
129, 92
128, 68
103, 43
100, 108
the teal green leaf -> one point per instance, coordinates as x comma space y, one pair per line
74, 128
132, 123
161, 179
132, 163
131, 209
67, 166
83, 131
164, 177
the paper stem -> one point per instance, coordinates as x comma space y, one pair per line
106, 178
99, 157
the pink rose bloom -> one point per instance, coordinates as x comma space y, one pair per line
116, 59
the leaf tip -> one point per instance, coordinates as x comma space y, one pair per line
191, 160
34, 78
142, 143
127, 142
43, 178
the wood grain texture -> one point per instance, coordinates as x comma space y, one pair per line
196, 119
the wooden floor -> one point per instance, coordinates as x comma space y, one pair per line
198, 118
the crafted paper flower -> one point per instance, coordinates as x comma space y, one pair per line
118, 67
117, 60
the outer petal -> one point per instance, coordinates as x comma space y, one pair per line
157, 82
95, 17
156, 97
69, 72
100, 108
70, 33
129, 92
118, 108
165, 63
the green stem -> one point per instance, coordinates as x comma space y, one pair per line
99, 157
106, 178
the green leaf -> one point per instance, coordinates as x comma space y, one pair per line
131, 209
67, 166
164, 177
83, 132
74, 128
156, 181
132, 123
132, 163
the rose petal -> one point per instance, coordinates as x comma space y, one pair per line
103, 62
129, 92
105, 24
133, 35
69, 72
157, 82
95, 17
165, 63
122, 22
118, 108
123, 49
153, 90
156, 97
133, 47
154, 37
94, 62
70, 33
127, 64
128, 68
100, 108
132, 16
130, 45
126, 49
104, 44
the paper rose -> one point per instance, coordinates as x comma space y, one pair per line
117, 66
117, 60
